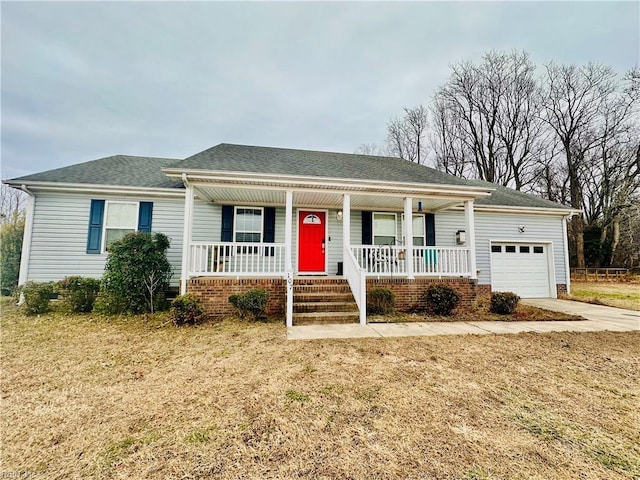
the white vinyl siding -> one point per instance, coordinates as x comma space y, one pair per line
60, 228
500, 227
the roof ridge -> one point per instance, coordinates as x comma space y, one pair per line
307, 150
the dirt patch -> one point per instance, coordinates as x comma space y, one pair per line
88, 397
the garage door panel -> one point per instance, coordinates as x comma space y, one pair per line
520, 268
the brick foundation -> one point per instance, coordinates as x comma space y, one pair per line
214, 293
409, 292
485, 290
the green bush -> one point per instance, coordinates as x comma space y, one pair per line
136, 275
10, 252
78, 294
504, 303
252, 302
441, 299
380, 301
187, 310
37, 296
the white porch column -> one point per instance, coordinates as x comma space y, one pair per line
288, 263
186, 237
26, 237
471, 237
408, 235
346, 221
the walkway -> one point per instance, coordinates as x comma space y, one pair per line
598, 318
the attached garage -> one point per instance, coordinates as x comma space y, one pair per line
522, 268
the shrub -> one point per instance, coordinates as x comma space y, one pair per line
252, 302
36, 297
10, 252
441, 299
380, 301
136, 275
504, 303
187, 310
78, 294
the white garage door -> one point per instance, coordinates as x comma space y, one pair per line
520, 268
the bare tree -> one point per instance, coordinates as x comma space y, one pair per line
585, 109
406, 135
486, 121
12, 203
371, 149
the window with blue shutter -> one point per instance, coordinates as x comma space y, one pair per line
94, 237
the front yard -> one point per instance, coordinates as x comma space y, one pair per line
614, 294
87, 397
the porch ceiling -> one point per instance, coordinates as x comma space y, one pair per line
311, 198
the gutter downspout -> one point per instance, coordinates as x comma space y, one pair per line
26, 236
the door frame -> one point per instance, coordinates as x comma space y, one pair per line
551, 270
326, 239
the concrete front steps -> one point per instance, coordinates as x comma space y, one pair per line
322, 301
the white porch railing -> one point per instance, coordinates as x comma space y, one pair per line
389, 260
356, 277
237, 258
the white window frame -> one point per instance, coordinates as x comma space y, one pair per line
245, 250
122, 227
424, 232
373, 227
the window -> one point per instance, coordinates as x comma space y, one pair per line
538, 249
248, 227
496, 248
121, 218
524, 249
419, 231
510, 249
384, 228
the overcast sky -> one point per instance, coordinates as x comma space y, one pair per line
82, 81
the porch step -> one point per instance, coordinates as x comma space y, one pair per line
302, 307
323, 301
325, 318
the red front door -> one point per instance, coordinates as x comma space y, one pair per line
311, 241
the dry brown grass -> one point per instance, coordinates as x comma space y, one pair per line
614, 294
84, 397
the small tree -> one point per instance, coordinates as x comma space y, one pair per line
10, 252
137, 271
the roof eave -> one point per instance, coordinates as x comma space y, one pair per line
35, 185
195, 175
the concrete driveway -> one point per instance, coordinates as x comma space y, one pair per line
598, 318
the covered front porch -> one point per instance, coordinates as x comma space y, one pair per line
294, 229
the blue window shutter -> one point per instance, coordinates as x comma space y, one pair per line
430, 220
94, 238
145, 215
269, 230
227, 223
367, 221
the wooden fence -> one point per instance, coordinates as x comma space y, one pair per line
599, 274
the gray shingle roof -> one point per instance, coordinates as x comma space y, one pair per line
118, 170
146, 172
285, 161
